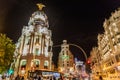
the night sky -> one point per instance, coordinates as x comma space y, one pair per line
77, 21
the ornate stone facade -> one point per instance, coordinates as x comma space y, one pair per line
34, 47
66, 59
109, 48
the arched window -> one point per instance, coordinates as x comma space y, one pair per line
46, 63
23, 64
37, 51
35, 63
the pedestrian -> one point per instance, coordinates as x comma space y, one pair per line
38, 77
17, 77
100, 78
22, 77
54, 78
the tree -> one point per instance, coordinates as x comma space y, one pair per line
7, 48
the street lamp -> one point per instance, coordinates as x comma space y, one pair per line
81, 50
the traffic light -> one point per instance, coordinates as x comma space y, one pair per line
88, 67
10, 71
88, 61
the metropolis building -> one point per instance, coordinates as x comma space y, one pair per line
108, 49
34, 47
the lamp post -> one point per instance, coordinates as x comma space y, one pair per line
80, 49
85, 55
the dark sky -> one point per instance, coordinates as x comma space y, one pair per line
78, 21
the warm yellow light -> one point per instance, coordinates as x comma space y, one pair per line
111, 54
40, 6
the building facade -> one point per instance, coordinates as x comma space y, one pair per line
109, 47
66, 59
34, 47
95, 59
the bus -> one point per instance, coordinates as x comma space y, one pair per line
48, 75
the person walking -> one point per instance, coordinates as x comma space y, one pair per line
22, 77
100, 78
17, 77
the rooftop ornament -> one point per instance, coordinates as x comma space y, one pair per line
40, 6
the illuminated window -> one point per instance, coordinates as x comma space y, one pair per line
37, 51
23, 64
46, 63
112, 71
65, 57
35, 63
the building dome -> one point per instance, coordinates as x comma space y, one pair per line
38, 23
39, 18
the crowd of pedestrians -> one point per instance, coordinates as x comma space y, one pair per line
37, 77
